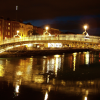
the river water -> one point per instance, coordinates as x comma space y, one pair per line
72, 76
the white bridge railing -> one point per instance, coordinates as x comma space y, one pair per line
71, 37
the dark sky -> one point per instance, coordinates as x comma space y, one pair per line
66, 15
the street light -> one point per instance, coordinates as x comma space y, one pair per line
47, 28
46, 32
85, 27
17, 32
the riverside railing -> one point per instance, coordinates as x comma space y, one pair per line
71, 37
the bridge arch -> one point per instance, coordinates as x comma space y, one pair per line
70, 40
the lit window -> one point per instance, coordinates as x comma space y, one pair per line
8, 28
8, 33
8, 23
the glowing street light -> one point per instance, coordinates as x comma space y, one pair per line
85, 27
17, 32
47, 28
46, 32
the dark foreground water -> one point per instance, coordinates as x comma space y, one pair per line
74, 76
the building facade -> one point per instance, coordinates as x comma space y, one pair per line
24, 29
40, 30
28, 27
14, 28
52, 31
1, 29
9, 29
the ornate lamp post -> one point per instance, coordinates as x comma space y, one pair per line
46, 32
47, 28
85, 27
85, 33
17, 32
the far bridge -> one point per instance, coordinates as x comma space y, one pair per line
54, 41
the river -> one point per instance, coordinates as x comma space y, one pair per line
72, 76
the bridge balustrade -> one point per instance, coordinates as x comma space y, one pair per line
71, 37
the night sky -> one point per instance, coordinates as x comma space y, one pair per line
65, 15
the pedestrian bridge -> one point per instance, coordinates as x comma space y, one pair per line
69, 40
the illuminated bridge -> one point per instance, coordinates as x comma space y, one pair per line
59, 41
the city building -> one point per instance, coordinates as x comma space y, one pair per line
40, 30
22, 31
35, 28
8, 28
15, 25
25, 29
11, 28
1, 29
52, 31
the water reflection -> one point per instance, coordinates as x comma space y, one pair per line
46, 96
1, 70
67, 73
86, 58
74, 60
52, 64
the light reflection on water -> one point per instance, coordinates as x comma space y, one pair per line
68, 74
1, 71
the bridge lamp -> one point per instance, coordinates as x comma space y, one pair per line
17, 32
47, 28
85, 27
